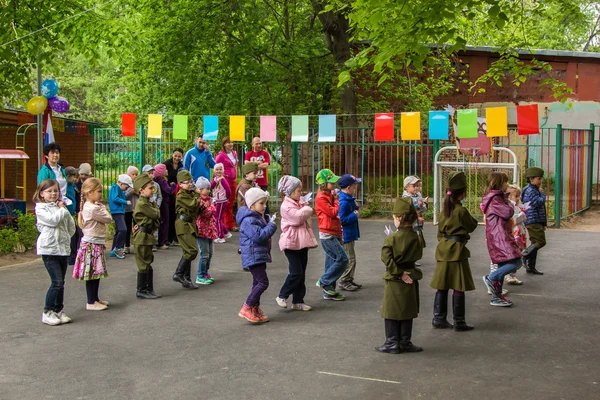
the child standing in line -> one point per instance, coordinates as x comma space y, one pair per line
72, 191
249, 171
90, 265
146, 217
519, 230
207, 231
452, 270
401, 280
56, 226
534, 197
411, 189
148, 170
132, 197
117, 202
255, 247
295, 240
501, 245
327, 207
221, 193
187, 207
349, 217
160, 178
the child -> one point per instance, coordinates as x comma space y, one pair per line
160, 178
411, 189
117, 202
72, 190
255, 244
249, 171
452, 270
295, 240
401, 280
221, 193
132, 197
146, 216
534, 197
499, 238
519, 230
327, 207
56, 226
187, 207
349, 217
148, 170
207, 231
90, 265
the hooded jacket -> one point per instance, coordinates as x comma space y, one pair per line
255, 237
56, 226
116, 200
498, 227
296, 229
327, 208
348, 217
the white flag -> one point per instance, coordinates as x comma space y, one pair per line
49, 137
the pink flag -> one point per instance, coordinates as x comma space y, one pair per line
268, 128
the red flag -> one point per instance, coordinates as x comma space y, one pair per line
528, 122
82, 128
384, 127
128, 124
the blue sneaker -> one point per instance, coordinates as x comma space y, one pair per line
117, 253
500, 302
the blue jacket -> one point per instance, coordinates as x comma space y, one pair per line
198, 162
255, 237
348, 217
71, 194
536, 214
116, 200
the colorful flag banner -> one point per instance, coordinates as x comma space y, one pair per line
299, 128
49, 134
467, 123
127, 124
496, 123
237, 128
82, 128
268, 128
528, 121
327, 128
154, 126
71, 126
180, 127
211, 127
384, 127
410, 126
438, 125
58, 125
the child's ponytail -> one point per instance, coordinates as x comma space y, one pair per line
448, 200
80, 214
90, 185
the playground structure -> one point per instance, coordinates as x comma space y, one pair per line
8, 207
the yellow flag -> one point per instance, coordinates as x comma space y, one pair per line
410, 126
496, 121
237, 128
154, 126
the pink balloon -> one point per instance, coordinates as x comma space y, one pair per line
59, 104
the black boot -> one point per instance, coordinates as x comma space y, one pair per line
187, 272
458, 309
531, 262
151, 283
391, 338
142, 287
440, 310
178, 275
406, 345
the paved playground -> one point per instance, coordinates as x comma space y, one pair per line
192, 344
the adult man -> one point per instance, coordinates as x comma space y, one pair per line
199, 160
262, 158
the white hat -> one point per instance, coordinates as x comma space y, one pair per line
253, 195
411, 180
85, 169
202, 183
147, 168
126, 179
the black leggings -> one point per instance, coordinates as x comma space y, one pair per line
129, 223
91, 288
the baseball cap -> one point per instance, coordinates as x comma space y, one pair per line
411, 180
326, 176
147, 168
126, 179
347, 180
71, 171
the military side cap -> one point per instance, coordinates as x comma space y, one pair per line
457, 180
184, 176
249, 167
141, 181
533, 172
403, 206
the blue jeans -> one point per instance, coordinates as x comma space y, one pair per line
505, 268
206, 251
336, 261
57, 269
121, 231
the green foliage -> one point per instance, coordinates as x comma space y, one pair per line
27, 232
8, 240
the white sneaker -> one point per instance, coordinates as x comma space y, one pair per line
63, 318
281, 302
50, 318
228, 236
301, 307
219, 240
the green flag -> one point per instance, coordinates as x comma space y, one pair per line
180, 127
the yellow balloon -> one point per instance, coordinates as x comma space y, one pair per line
37, 105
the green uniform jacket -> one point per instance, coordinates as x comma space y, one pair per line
146, 214
461, 223
187, 204
399, 253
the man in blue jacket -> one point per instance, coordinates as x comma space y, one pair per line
349, 216
199, 160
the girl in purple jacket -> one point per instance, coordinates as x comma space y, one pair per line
501, 245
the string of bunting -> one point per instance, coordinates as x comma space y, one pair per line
466, 123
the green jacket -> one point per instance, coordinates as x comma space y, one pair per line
47, 173
146, 214
461, 223
187, 204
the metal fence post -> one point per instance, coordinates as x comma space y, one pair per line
591, 164
295, 159
142, 148
558, 176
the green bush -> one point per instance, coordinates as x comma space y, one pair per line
27, 232
8, 240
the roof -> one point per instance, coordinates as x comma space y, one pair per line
538, 52
13, 155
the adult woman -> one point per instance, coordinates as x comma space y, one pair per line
228, 157
52, 169
174, 164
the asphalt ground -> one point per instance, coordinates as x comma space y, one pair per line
192, 344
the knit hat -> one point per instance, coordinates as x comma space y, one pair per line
184, 175
326, 176
457, 180
71, 171
347, 180
287, 184
202, 183
219, 165
147, 168
160, 169
85, 169
253, 195
533, 172
141, 181
249, 167
126, 179
411, 180
132, 170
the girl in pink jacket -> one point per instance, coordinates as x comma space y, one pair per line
295, 240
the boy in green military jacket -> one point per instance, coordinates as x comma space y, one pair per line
186, 208
401, 287
147, 220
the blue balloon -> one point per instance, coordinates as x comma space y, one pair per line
49, 88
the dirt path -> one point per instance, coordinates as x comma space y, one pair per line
587, 221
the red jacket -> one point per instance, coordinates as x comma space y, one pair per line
327, 209
498, 227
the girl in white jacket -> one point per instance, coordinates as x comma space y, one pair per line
56, 226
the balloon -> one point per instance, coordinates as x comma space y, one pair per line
37, 105
59, 104
49, 88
